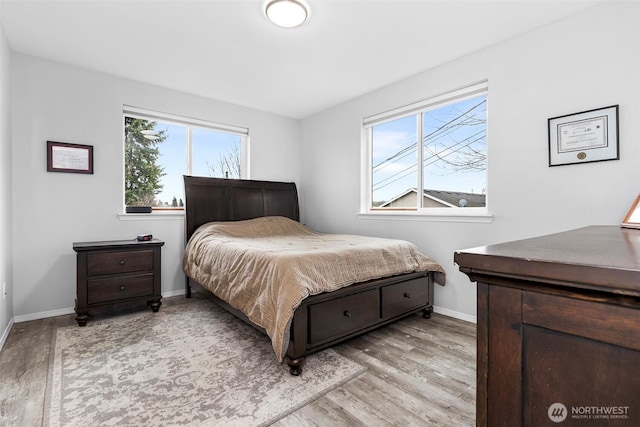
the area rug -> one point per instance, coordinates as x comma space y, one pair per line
192, 364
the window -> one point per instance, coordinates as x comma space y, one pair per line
432, 154
159, 149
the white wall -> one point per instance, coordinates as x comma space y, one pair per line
587, 61
6, 306
52, 210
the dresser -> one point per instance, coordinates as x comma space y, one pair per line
558, 329
115, 273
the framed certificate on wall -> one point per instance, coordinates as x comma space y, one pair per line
588, 136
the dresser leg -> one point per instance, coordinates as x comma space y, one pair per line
155, 305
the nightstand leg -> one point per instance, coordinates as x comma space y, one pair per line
426, 313
155, 305
82, 318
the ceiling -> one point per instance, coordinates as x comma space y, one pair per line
227, 50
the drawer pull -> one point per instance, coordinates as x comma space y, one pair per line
121, 262
407, 295
347, 313
122, 287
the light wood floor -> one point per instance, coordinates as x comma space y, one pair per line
420, 373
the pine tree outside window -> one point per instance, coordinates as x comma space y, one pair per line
160, 148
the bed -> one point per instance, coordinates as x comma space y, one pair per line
247, 217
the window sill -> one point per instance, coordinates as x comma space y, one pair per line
154, 216
475, 216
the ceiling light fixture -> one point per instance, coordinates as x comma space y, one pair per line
287, 13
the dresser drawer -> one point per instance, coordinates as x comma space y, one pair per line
119, 262
400, 298
119, 288
344, 315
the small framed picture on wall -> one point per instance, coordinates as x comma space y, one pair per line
65, 157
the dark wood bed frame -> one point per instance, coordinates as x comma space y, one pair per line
321, 320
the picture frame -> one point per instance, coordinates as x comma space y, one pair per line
584, 137
632, 219
73, 158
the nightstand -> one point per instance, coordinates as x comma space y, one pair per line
115, 273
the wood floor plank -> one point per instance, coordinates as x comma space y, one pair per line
428, 370
443, 405
365, 410
419, 372
320, 413
23, 372
402, 406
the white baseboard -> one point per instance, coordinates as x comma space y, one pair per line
168, 294
43, 314
70, 310
5, 334
455, 314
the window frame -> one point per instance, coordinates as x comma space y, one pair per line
189, 124
452, 214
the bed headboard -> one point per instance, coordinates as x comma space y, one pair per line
218, 199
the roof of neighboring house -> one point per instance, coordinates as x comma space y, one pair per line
454, 197
449, 198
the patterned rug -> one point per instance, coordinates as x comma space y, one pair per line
191, 364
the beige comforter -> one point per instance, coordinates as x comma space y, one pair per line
266, 266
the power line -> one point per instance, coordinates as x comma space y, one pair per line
404, 151
436, 156
464, 119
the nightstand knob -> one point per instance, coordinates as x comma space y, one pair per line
347, 313
407, 295
121, 262
122, 287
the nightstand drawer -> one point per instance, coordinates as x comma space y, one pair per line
119, 288
119, 262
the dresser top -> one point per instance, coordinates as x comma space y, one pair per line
603, 258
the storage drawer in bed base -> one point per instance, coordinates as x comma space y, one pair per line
373, 304
369, 305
